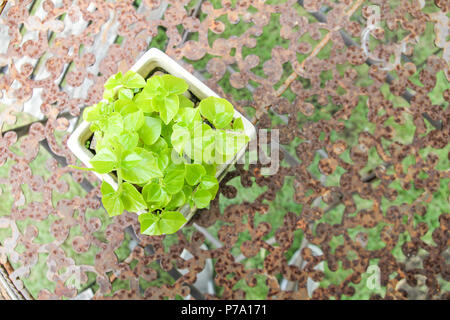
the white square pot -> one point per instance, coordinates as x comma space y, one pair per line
151, 60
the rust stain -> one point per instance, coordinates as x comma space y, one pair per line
315, 121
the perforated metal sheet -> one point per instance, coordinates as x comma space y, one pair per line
329, 65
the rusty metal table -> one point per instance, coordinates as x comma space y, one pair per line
331, 60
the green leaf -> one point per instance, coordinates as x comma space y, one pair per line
150, 223
211, 184
208, 108
124, 106
208, 182
132, 79
130, 159
113, 124
238, 124
201, 198
177, 201
114, 81
223, 119
91, 113
139, 166
174, 181
163, 161
98, 112
166, 222
105, 108
155, 87
169, 108
125, 93
174, 85
132, 199
175, 165
187, 115
143, 101
109, 94
194, 173
128, 140
218, 111
187, 190
155, 195
166, 131
111, 200
185, 102
171, 221
104, 161
211, 169
133, 121
180, 137
150, 130
159, 147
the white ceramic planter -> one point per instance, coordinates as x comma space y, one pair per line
151, 60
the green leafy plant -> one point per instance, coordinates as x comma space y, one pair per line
163, 149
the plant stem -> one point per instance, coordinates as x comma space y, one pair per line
119, 179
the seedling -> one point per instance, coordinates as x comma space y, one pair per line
162, 147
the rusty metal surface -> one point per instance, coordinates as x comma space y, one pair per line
35, 64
